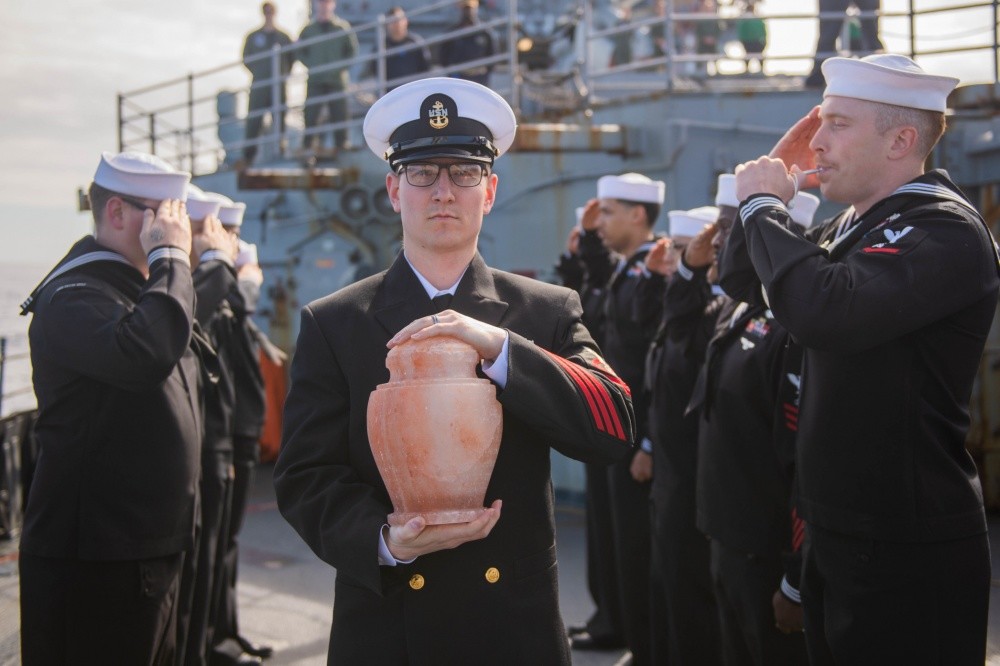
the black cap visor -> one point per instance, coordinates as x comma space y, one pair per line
472, 148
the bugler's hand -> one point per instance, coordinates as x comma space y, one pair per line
765, 175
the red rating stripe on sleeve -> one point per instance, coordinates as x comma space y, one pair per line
596, 396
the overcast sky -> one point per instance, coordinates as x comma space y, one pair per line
62, 65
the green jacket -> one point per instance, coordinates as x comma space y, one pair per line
341, 45
751, 30
262, 41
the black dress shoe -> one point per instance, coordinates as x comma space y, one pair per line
576, 630
584, 641
255, 650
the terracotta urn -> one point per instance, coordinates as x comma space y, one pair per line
434, 430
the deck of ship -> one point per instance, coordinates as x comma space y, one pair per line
286, 593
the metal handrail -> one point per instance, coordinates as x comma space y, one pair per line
189, 134
4, 359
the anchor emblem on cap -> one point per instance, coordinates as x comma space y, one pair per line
438, 115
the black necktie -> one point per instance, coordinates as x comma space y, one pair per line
441, 302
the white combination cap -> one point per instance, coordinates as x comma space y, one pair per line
887, 78
439, 117
141, 175
689, 223
725, 194
230, 212
199, 204
802, 208
631, 187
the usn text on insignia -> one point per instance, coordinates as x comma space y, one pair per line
438, 115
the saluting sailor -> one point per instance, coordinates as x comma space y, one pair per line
482, 592
617, 235
113, 497
892, 307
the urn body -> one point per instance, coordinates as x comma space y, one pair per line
434, 430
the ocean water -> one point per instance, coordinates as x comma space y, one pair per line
16, 282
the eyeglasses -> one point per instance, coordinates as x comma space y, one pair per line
425, 174
135, 203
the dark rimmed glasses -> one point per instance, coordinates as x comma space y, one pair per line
135, 203
425, 174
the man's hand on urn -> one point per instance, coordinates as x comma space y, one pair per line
484, 338
765, 175
168, 226
700, 252
417, 538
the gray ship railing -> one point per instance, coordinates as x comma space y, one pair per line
17, 443
549, 61
5, 358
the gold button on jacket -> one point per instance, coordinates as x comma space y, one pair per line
492, 575
416, 582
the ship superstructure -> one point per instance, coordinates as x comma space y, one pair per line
321, 218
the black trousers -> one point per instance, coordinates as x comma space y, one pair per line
602, 573
685, 621
83, 612
630, 520
744, 586
200, 597
877, 602
246, 453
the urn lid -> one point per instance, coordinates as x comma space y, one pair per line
440, 357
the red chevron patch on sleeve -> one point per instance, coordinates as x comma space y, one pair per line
798, 531
598, 363
791, 417
596, 395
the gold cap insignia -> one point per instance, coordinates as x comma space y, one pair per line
438, 115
